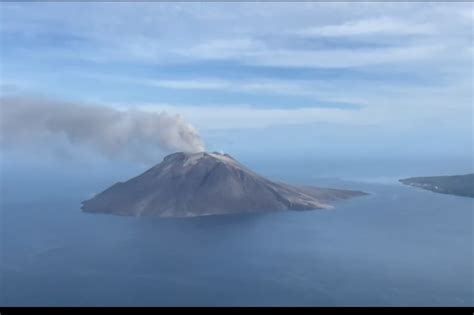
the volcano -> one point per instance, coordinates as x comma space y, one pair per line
198, 184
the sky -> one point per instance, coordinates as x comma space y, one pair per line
328, 79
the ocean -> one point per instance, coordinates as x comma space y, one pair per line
398, 246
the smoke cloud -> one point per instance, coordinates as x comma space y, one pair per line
135, 134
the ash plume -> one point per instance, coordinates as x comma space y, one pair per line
131, 133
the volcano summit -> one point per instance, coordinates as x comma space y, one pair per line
196, 184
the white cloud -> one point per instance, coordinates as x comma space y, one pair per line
258, 53
369, 36
371, 26
266, 86
224, 48
318, 90
198, 84
468, 13
386, 107
342, 58
255, 34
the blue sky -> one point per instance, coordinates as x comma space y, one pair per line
319, 78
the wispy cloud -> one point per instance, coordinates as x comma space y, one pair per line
224, 48
160, 33
266, 86
387, 107
342, 58
321, 93
257, 53
265, 50
373, 26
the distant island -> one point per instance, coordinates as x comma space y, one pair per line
197, 184
459, 185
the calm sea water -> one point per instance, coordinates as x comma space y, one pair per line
397, 246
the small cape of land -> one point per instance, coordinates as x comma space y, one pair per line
459, 185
